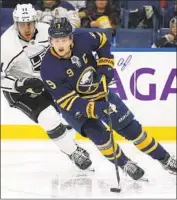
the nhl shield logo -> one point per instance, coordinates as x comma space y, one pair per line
76, 60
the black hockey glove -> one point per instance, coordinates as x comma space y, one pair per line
107, 71
29, 85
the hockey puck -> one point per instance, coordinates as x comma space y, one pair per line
118, 190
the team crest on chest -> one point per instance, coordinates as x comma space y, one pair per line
87, 83
36, 59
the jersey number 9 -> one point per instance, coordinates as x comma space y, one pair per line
51, 84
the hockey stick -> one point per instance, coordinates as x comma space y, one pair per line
118, 189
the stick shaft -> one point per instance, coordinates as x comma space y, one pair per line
111, 130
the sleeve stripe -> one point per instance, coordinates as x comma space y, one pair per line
103, 40
100, 36
94, 95
13, 60
71, 103
90, 110
99, 97
1, 66
5, 88
43, 41
66, 96
10, 78
64, 104
106, 61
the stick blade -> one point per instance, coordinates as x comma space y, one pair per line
117, 190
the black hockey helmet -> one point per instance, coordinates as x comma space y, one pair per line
60, 27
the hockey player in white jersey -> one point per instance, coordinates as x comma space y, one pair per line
23, 46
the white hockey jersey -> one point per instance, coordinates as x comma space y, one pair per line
47, 16
20, 58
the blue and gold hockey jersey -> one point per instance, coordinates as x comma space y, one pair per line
73, 82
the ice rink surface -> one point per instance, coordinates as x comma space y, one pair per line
37, 169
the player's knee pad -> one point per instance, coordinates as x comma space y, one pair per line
132, 130
95, 131
57, 132
62, 135
49, 118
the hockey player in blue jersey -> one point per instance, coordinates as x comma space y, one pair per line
73, 77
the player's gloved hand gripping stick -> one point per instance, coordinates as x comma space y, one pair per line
105, 86
29, 85
26, 83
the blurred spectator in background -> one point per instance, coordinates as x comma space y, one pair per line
143, 17
170, 39
50, 9
171, 12
52, 4
118, 4
99, 14
175, 8
9, 3
78, 4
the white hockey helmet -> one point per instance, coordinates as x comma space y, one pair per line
24, 13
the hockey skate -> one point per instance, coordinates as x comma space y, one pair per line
133, 170
169, 163
81, 158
